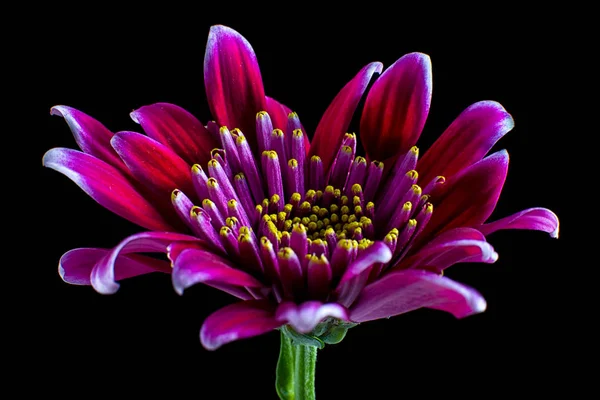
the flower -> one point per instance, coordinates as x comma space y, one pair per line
308, 236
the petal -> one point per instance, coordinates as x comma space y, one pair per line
76, 265
153, 164
378, 252
539, 219
408, 290
233, 82
279, 116
396, 107
91, 136
304, 317
466, 141
471, 197
103, 276
177, 129
106, 185
238, 321
336, 119
449, 248
195, 266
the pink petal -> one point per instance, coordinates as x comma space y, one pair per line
103, 276
177, 129
233, 82
153, 164
106, 185
304, 317
195, 266
91, 136
396, 107
470, 197
238, 321
378, 252
404, 291
76, 265
466, 141
452, 247
336, 119
539, 219
279, 116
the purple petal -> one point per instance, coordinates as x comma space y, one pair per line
378, 252
304, 317
396, 107
452, 247
238, 321
201, 266
233, 81
279, 116
403, 291
466, 141
103, 276
75, 266
471, 197
91, 136
106, 185
154, 164
336, 119
177, 129
538, 219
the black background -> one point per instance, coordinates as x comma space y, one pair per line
144, 339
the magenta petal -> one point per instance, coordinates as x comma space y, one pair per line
177, 129
466, 141
378, 252
238, 321
304, 317
396, 107
196, 266
538, 219
76, 265
336, 119
91, 136
403, 291
279, 116
452, 247
106, 185
470, 197
103, 276
233, 82
154, 164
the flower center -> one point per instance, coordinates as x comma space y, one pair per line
323, 215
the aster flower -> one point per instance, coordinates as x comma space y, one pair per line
311, 238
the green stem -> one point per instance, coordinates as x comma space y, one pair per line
295, 370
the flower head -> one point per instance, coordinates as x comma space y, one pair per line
308, 235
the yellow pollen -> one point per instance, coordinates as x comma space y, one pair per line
412, 174
239, 177
414, 150
292, 114
315, 159
298, 133
196, 168
262, 114
277, 133
412, 223
347, 149
240, 139
212, 182
416, 190
360, 160
293, 163
407, 206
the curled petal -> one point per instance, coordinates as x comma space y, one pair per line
538, 219
304, 317
238, 321
233, 81
336, 119
452, 247
177, 129
103, 277
106, 185
403, 291
91, 136
195, 266
76, 265
396, 107
466, 141
378, 252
